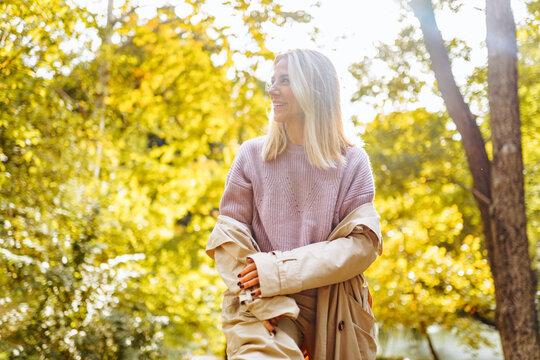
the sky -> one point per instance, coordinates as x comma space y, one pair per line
348, 31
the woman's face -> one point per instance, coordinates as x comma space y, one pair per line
286, 108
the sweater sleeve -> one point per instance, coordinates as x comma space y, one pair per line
237, 200
362, 187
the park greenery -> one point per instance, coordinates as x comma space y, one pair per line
113, 158
424, 190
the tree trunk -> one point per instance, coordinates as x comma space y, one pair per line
459, 111
503, 218
102, 86
514, 285
431, 347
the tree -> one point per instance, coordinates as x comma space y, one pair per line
501, 253
113, 157
501, 202
58, 288
434, 271
508, 250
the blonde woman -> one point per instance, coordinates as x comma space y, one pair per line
297, 227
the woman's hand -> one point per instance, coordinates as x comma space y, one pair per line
249, 277
270, 324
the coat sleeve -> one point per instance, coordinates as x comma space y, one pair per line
316, 265
229, 265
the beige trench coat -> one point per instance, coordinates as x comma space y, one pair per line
346, 327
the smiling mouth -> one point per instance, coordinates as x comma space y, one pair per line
279, 105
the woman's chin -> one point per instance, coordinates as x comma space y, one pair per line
280, 119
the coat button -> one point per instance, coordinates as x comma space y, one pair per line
341, 325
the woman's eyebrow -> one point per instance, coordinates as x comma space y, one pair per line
281, 77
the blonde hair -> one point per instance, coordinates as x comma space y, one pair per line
315, 86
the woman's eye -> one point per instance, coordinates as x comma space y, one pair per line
272, 82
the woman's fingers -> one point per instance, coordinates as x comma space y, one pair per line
243, 284
251, 283
269, 326
247, 269
249, 276
274, 321
250, 280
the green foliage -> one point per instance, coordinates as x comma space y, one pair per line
112, 164
59, 289
111, 170
402, 79
434, 269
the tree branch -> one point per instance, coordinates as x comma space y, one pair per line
474, 191
64, 95
431, 347
479, 317
459, 111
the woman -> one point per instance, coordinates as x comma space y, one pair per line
297, 227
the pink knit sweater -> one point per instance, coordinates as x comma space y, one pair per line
290, 203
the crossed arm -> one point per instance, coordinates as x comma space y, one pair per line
230, 245
312, 266
264, 277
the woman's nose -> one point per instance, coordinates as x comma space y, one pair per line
273, 89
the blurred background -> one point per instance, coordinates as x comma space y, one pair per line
119, 121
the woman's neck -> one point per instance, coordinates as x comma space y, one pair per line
295, 132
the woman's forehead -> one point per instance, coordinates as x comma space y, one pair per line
281, 67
